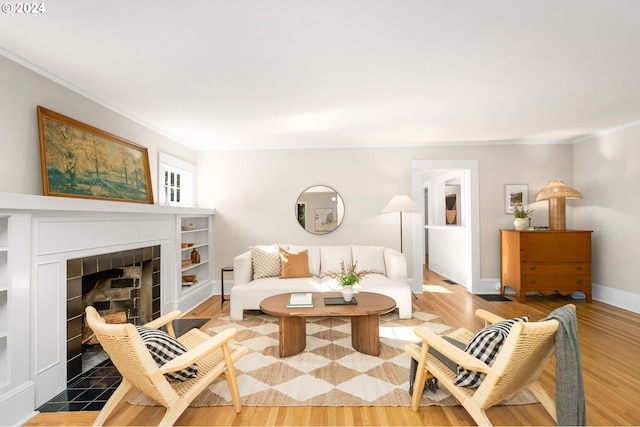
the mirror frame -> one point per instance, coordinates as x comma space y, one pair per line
325, 202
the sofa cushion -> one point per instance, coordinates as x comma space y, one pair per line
294, 264
331, 257
369, 258
265, 261
314, 257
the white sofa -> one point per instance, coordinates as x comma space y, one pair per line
390, 278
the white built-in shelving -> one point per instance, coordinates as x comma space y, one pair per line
195, 234
4, 300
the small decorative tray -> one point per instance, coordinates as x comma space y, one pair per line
339, 301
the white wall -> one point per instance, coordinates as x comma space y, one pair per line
449, 250
607, 173
254, 192
22, 90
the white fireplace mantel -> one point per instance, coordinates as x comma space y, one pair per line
29, 202
38, 234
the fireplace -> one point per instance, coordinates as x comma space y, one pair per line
122, 284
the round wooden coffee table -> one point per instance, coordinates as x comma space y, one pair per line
365, 321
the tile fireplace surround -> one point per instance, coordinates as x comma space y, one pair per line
43, 234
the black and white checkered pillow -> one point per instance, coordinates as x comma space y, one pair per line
164, 348
485, 345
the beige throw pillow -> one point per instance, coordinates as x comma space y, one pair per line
265, 261
294, 264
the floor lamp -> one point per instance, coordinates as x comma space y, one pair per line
401, 204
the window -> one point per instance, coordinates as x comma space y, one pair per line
176, 181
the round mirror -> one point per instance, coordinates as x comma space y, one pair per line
319, 209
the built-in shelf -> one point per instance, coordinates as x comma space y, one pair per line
4, 301
195, 230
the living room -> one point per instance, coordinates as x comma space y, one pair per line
253, 191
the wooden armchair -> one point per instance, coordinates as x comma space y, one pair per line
214, 357
518, 365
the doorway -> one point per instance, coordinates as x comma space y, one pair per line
466, 231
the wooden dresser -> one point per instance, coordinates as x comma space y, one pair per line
545, 261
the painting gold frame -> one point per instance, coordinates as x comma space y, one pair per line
81, 161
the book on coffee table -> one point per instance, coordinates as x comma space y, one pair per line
339, 301
300, 300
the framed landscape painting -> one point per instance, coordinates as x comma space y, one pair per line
78, 160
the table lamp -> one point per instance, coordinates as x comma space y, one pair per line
556, 192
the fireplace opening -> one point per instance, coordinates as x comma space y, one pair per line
124, 287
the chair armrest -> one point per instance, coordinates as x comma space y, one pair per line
198, 352
165, 321
395, 263
450, 351
488, 317
242, 269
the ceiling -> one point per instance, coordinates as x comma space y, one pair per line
264, 74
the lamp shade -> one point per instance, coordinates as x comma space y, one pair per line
557, 189
401, 204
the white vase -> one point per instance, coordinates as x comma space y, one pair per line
347, 293
520, 224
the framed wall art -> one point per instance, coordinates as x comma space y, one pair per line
325, 220
515, 195
78, 160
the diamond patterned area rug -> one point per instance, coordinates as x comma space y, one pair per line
329, 372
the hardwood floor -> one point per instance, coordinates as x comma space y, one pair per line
609, 342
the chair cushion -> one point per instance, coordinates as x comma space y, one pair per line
164, 348
265, 261
294, 264
485, 345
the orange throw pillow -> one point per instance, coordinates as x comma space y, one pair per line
294, 264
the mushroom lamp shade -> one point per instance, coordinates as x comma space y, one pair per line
556, 192
401, 204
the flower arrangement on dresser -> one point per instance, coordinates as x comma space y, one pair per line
520, 214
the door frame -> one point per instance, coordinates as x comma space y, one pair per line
469, 188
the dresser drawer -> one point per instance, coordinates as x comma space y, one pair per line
568, 247
555, 282
561, 269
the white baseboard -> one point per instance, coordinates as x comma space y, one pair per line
616, 297
487, 287
16, 406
